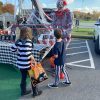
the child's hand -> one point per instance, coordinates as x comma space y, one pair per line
34, 63
55, 56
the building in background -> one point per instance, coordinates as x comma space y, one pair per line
7, 18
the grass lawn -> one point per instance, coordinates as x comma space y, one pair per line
9, 82
85, 21
83, 32
89, 21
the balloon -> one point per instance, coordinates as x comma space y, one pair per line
62, 75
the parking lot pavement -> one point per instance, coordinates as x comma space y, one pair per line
85, 83
85, 86
78, 54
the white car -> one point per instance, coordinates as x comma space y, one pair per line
97, 37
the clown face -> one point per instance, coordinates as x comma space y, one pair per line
60, 4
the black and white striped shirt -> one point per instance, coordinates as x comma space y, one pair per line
24, 51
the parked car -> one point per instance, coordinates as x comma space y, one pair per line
97, 37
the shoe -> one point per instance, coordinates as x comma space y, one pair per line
66, 83
25, 93
37, 94
52, 86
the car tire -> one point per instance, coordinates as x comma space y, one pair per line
97, 50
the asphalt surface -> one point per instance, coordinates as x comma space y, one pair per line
83, 66
79, 54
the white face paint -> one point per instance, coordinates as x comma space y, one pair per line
60, 4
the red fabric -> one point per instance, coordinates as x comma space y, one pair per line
60, 13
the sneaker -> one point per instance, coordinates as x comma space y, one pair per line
25, 93
66, 83
37, 94
52, 86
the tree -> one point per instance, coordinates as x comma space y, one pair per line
8, 8
1, 4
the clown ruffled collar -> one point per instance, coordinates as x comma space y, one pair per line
60, 13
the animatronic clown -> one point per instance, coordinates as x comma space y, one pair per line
62, 19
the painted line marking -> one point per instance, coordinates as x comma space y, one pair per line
76, 40
78, 43
78, 61
79, 65
90, 56
75, 63
76, 53
77, 47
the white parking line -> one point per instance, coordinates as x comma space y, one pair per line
90, 56
77, 43
77, 53
75, 40
77, 63
77, 47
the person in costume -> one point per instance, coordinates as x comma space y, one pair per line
59, 56
23, 46
62, 18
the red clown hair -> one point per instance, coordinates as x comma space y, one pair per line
64, 2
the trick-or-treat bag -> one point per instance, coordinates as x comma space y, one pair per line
37, 73
51, 60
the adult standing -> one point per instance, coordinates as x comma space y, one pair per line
77, 23
62, 18
99, 19
1, 25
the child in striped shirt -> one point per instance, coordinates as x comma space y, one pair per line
24, 46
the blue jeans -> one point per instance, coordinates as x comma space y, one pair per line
57, 74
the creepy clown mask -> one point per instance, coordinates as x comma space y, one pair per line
61, 4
